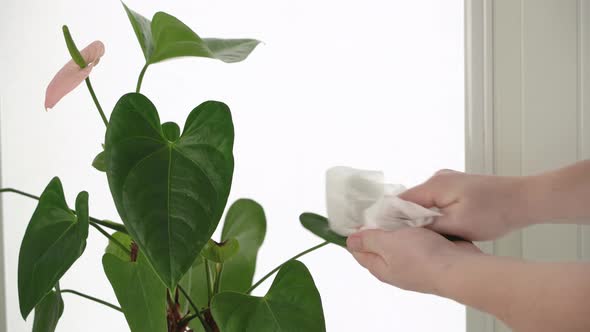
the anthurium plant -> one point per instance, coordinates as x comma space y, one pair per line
170, 188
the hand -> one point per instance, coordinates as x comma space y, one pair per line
410, 258
475, 207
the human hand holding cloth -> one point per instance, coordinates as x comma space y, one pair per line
360, 199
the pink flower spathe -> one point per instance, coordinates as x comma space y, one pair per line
71, 75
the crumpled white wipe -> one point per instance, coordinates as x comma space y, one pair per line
360, 199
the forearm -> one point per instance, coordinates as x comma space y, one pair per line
526, 296
561, 195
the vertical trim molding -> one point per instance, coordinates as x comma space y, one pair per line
479, 120
3, 322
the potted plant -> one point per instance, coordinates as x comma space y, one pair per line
170, 188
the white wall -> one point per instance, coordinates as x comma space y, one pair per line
371, 84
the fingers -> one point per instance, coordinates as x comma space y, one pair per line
468, 246
422, 194
372, 262
432, 193
368, 241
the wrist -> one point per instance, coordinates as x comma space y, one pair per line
530, 200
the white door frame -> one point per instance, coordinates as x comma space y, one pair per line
479, 120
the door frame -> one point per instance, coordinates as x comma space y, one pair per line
479, 119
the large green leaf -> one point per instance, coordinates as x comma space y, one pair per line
53, 241
140, 292
320, 227
170, 195
292, 304
166, 37
245, 221
48, 312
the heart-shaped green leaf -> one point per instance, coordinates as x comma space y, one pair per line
48, 312
220, 252
173, 39
166, 37
170, 195
53, 241
99, 163
292, 304
245, 221
319, 226
140, 292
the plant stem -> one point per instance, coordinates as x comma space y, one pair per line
91, 90
12, 190
279, 267
208, 277
140, 79
108, 224
110, 237
197, 312
91, 298
216, 284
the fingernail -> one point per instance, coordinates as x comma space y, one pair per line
354, 243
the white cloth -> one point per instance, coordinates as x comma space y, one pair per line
360, 199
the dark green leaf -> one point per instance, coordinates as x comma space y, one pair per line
292, 304
53, 241
319, 226
220, 252
98, 162
48, 312
245, 221
170, 195
140, 293
173, 39
143, 31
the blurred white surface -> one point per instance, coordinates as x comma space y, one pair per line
370, 84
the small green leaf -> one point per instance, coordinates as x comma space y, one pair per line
48, 312
319, 226
173, 39
170, 195
140, 292
245, 221
171, 131
115, 250
292, 304
53, 241
143, 31
99, 163
220, 252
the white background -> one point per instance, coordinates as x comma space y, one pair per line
371, 84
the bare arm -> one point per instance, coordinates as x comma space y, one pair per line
527, 296
562, 195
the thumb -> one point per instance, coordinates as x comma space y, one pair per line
424, 195
368, 241
430, 193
